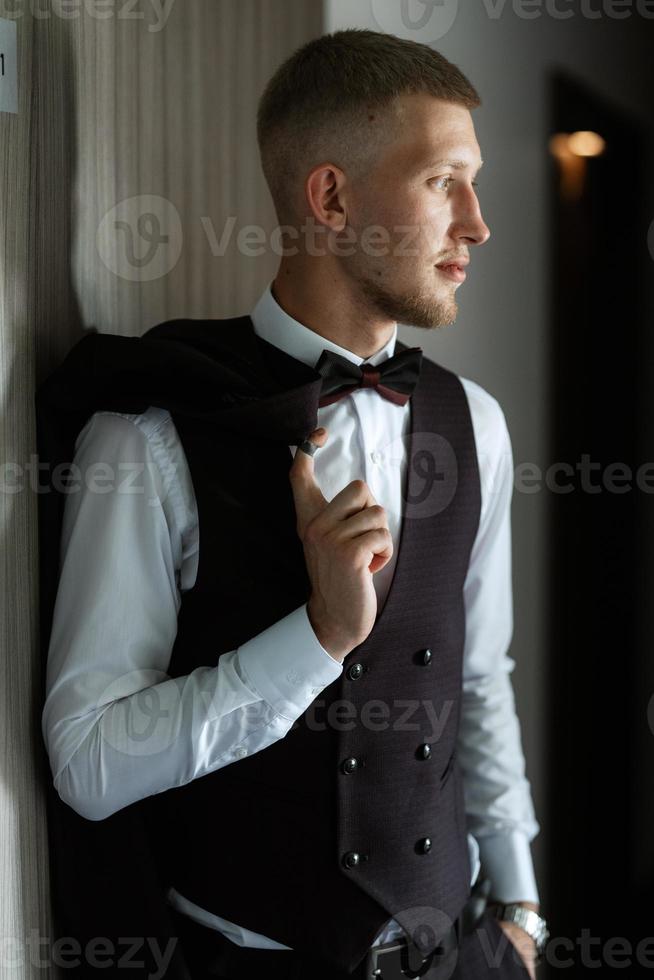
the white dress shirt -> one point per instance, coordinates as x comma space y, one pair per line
112, 719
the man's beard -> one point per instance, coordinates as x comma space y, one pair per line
412, 308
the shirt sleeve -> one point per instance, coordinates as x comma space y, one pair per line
499, 806
116, 727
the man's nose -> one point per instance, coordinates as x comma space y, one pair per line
482, 233
475, 231
469, 223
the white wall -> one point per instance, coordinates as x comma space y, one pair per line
500, 338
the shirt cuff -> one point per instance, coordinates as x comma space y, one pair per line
287, 666
506, 860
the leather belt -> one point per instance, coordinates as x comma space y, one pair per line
212, 954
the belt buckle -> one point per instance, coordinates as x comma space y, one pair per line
402, 960
399, 960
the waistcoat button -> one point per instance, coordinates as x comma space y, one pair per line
424, 845
350, 765
426, 657
351, 859
355, 671
424, 751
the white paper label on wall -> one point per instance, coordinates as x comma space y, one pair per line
8, 66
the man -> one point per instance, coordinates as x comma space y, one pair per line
209, 629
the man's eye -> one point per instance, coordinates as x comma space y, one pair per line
439, 180
448, 180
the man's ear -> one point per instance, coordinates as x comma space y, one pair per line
323, 188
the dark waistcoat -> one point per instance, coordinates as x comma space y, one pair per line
357, 814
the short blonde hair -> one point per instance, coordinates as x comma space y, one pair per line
318, 103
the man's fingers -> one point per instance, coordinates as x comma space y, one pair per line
310, 502
309, 499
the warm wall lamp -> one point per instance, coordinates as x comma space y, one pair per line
572, 151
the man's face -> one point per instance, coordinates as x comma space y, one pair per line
422, 192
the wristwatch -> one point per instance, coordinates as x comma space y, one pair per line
533, 923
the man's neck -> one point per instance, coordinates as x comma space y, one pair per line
328, 319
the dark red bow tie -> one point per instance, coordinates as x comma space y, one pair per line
395, 378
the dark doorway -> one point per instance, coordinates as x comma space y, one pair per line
600, 745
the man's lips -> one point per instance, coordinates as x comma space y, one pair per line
454, 270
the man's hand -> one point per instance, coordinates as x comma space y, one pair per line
523, 942
345, 542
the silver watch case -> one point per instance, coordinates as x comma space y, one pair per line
533, 923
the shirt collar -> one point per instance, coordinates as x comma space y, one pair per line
273, 324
